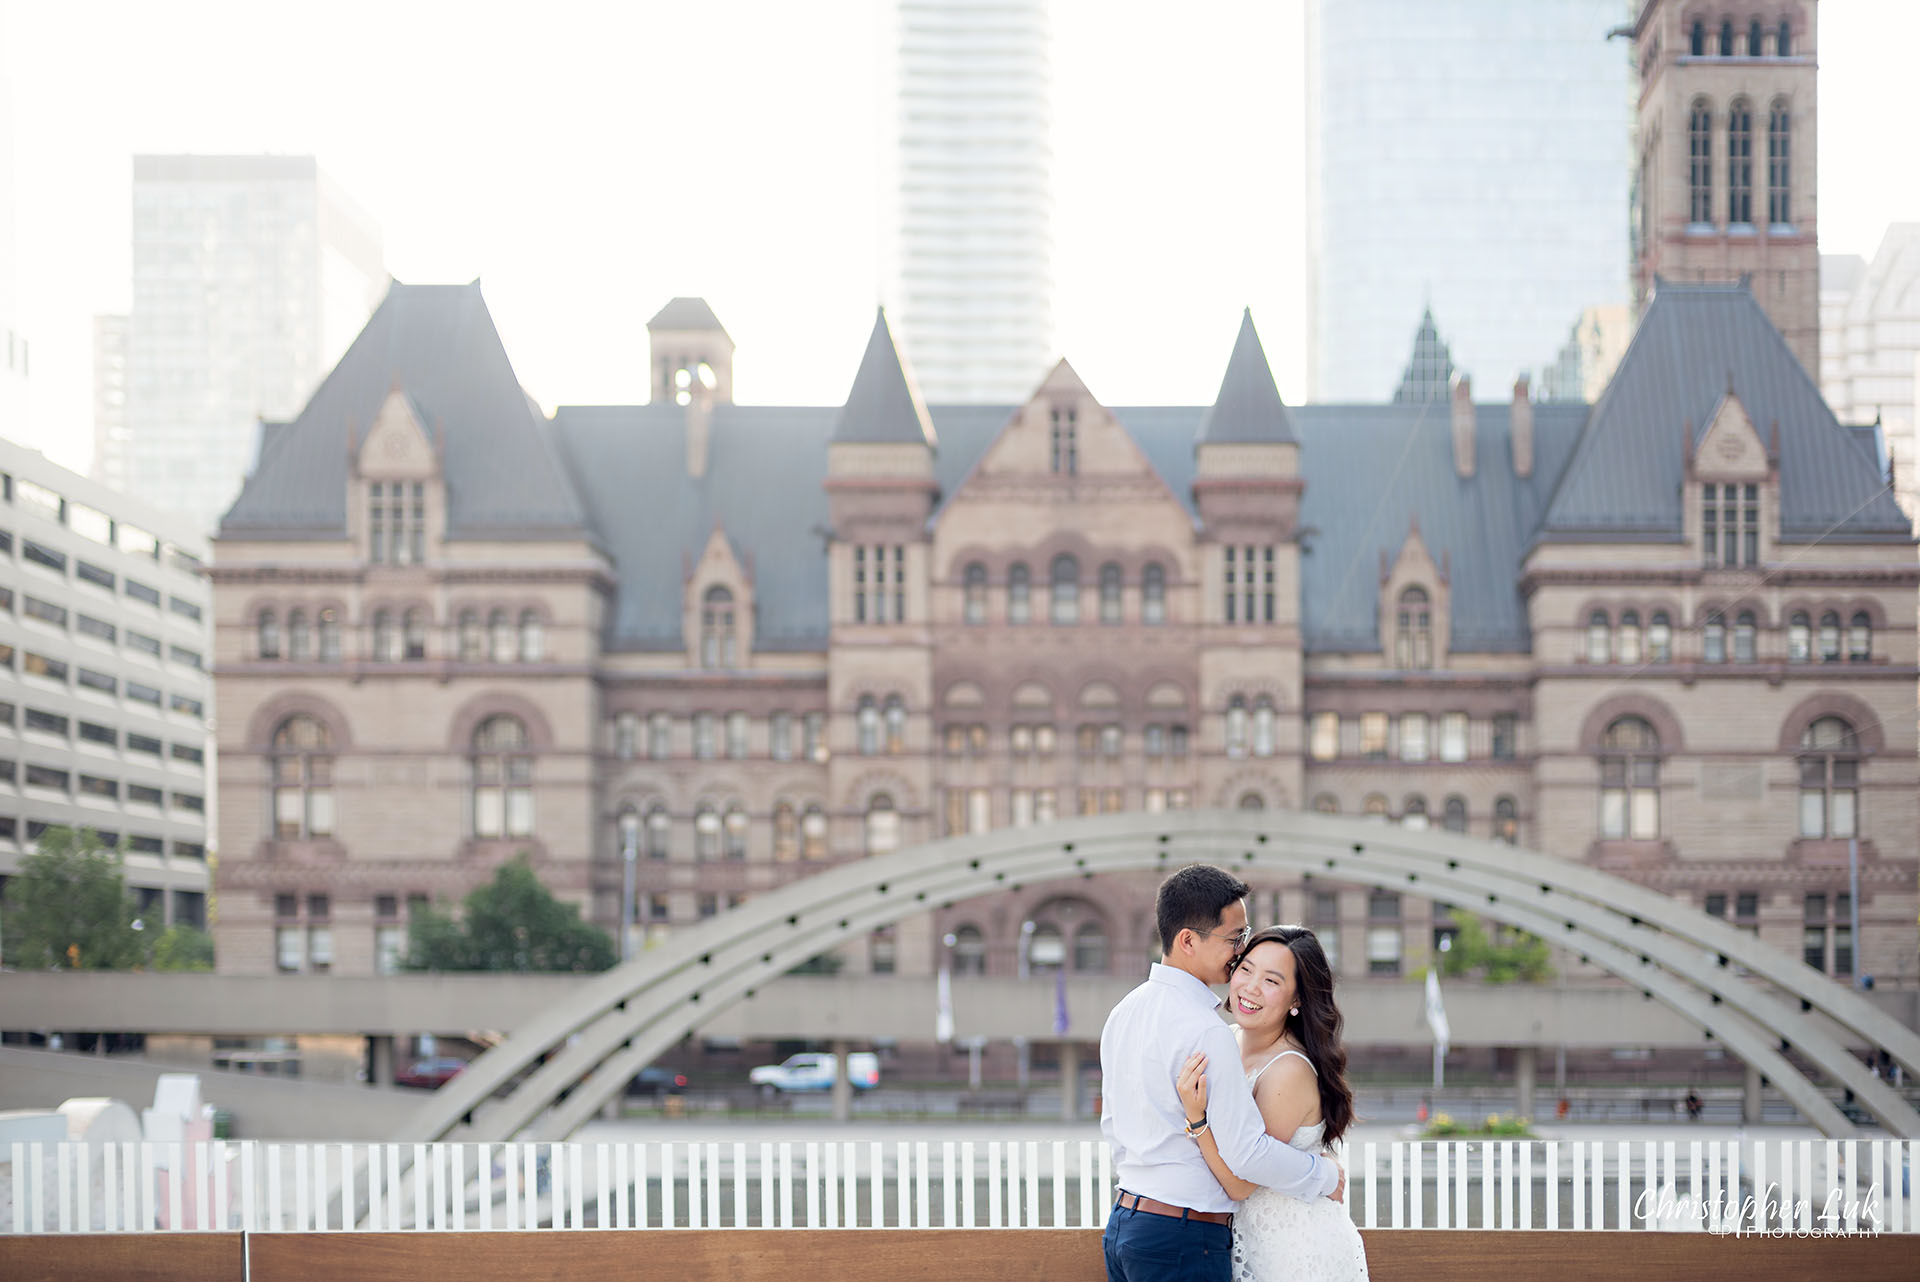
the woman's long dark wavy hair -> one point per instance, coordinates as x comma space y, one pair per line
1318, 1023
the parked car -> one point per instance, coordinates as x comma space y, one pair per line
655, 1080
433, 1072
814, 1071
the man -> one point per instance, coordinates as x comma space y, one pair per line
1172, 1220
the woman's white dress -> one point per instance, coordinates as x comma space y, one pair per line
1277, 1238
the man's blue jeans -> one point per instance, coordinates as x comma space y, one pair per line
1144, 1247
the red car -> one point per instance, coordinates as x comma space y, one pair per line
432, 1073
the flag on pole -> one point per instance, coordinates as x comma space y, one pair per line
1436, 1013
1060, 1021
943, 1007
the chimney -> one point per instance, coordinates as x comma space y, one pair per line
1463, 423
1520, 427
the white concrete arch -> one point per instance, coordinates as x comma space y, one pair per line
622, 1019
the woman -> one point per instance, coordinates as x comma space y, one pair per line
1281, 996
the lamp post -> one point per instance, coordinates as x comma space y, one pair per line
1020, 1043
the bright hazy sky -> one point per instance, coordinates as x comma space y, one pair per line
588, 161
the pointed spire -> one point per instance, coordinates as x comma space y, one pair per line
1429, 372
883, 406
1248, 410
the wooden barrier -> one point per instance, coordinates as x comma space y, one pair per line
903, 1255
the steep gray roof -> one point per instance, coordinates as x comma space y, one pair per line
437, 343
1248, 409
1626, 472
884, 405
686, 313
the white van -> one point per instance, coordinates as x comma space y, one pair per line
814, 1071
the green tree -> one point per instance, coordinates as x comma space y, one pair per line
512, 923
68, 908
183, 947
1501, 956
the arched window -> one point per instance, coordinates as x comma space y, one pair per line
1780, 159
974, 600
659, 832
501, 770
1506, 821
1829, 637
1740, 162
1066, 589
883, 825
786, 833
1263, 727
1726, 38
267, 635
385, 640
1019, 594
734, 831
1799, 637
1413, 639
1630, 781
1859, 638
866, 720
1599, 640
737, 727
706, 832
502, 644
413, 634
1414, 813
1628, 643
1660, 638
1829, 779
1375, 807
626, 735
1090, 948
813, 833
299, 636
1754, 37
1697, 39
1326, 804
896, 719
1454, 814
969, 951
1783, 43
1109, 593
328, 634
302, 770
1153, 593
1700, 163
1743, 637
473, 642
1237, 726
716, 628
1046, 949
1713, 638
533, 637
1251, 801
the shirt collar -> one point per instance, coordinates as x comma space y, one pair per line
1185, 983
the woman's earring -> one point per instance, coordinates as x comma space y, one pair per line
1294, 1011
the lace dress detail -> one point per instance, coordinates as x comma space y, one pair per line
1277, 1238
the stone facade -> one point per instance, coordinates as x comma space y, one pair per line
1036, 612
1726, 185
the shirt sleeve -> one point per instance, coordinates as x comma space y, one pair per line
1241, 1133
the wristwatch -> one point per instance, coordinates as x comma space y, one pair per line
1194, 1128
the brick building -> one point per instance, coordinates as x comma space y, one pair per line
1669, 634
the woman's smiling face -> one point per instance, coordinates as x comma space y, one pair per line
1261, 988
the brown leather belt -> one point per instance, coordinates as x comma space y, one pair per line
1134, 1202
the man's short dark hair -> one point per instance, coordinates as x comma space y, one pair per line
1193, 899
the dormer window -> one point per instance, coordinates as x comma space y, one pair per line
1413, 635
1729, 525
717, 647
396, 522
1065, 436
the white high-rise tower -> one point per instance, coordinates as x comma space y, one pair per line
970, 284
15, 354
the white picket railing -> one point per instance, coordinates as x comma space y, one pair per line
1784, 1186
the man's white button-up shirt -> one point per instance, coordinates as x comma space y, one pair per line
1146, 1042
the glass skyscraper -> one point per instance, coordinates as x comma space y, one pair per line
1468, 156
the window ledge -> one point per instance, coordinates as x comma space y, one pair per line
1741, 230
1699, 229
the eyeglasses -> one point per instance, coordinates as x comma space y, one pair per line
1240, 937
